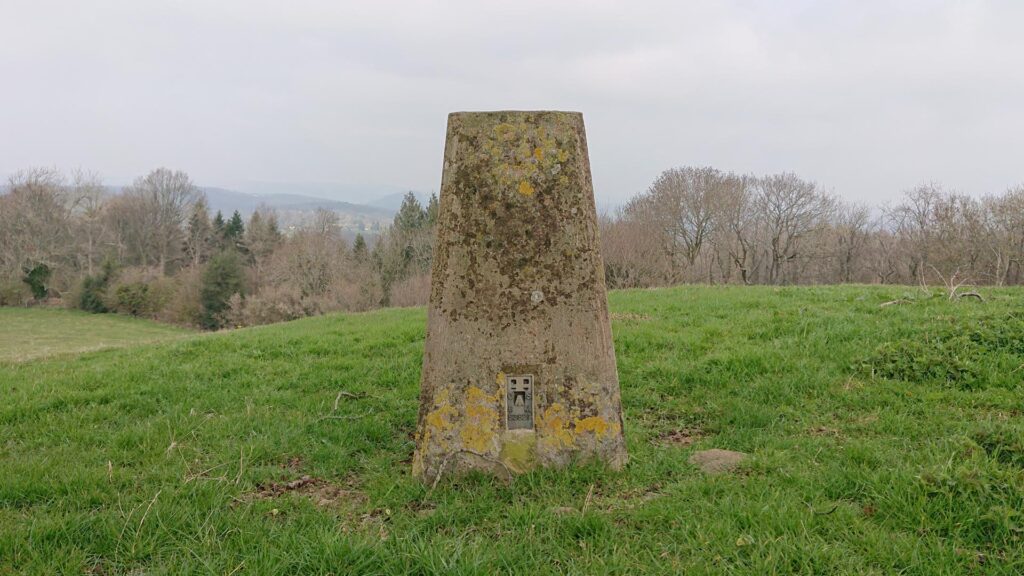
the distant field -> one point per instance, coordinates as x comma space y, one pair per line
30, 333
883, 440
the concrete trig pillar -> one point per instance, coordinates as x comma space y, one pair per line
519, 367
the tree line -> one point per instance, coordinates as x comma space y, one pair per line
699, 224
153, 249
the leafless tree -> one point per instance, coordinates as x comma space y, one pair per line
852, 233
162, 201
1004, 216
89, 197
199, 235
35, 222
790, 209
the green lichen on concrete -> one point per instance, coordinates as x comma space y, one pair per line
519, 450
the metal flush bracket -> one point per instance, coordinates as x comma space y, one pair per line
519, 401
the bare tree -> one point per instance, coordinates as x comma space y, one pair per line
738, 238
852, 232
633, 253
914, 223
35, 223
164, 198
199, 235
1004, 216
89, 199
790, 209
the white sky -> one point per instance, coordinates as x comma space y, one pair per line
867, 98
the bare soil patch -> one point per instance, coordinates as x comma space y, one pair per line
320, 491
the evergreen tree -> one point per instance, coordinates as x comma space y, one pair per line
37, 278
255, 222
92, 296
411, 215
359, 251
221, 280
234, 231
433, 207
262, 237
218, 227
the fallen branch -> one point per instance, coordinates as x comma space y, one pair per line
346, 395
342, 417
970, 295
894, 302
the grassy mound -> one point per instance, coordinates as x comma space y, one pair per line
882, 440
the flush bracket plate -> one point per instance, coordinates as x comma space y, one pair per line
519, 401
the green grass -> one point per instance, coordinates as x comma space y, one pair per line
32, 333
883, 440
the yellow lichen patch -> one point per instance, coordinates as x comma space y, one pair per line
481, 420
525, 188
500, 379
599, 426
538, 153
438, 421
440, 417
554, 427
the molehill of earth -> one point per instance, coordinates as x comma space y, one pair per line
519, 368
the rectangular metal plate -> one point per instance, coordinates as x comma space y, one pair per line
519, 401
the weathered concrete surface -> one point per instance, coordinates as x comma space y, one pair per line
517, 289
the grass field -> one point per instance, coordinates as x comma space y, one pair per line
30, 333
883, 440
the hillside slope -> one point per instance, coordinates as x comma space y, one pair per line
32, 333
882, 439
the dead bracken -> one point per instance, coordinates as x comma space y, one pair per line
320, 491
681, 436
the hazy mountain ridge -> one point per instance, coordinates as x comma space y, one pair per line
227, 201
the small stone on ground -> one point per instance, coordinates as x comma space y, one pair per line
716, 461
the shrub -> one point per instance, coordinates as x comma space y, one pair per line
221, 280
37, 278
412, 291
92, 295
132, 298
272, 304
13, 292
183, 305
140, 291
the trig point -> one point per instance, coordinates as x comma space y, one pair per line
519, 368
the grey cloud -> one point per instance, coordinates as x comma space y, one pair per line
867, 98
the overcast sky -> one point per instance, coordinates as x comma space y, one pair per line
866, 98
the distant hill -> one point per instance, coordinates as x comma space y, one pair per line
353, 193
295, 210
227, 201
